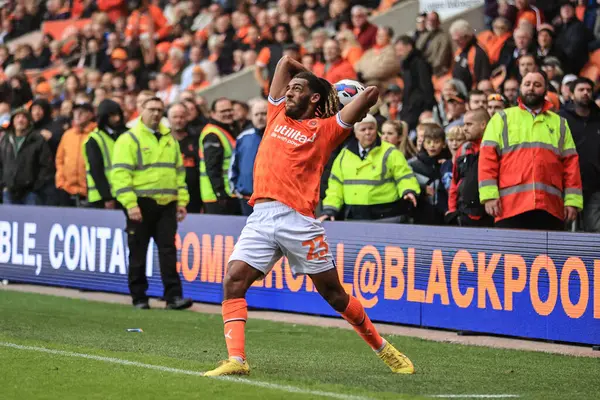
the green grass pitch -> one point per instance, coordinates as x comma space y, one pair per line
59, 348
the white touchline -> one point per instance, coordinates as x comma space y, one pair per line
266, 385
475, 396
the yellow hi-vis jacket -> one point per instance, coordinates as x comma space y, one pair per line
106, 145
384, 176
146, 167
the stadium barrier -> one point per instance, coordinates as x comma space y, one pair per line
529, 284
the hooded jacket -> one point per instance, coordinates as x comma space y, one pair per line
586, 134
49, 124
28, 168
94, 155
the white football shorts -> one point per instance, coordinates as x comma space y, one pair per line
275, 230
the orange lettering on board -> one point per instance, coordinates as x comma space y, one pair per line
597, 289
437, 284
414, 295
275, 274
367, 276
462, 257
394, 264
546, 263
574, 264
294, 284
212, 259
178, 248
511, 285
190, 240
339, 261
485, 281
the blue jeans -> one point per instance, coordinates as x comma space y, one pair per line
29, 199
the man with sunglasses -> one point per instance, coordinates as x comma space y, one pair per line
495, 103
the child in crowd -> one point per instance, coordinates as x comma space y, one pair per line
396, 133
455, 137
427, 166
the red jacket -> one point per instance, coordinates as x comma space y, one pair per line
366, 36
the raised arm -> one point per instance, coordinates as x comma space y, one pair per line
286, 68
358, 108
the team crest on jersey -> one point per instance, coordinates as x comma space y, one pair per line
313, 124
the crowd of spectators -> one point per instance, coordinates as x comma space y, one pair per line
428, 79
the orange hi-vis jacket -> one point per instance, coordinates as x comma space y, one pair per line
529, 163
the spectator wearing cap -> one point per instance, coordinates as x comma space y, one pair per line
565, 88
496, 103
435, 45
583, 116
370, 180
246, 148
136, 67
270, 55
456, 107
364, 31
70, 164
521, 43
26, 166
379, 64
493, 41
335, 68
416, 74
572, 37
471, 64
545, 43
147, 19
450, 87
553, 69
118, 61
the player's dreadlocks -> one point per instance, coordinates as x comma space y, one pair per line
328, 104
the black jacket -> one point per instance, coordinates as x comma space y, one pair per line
191, 162
573, 38
418, 89
49, 124
94, 155
213, 158
586, 134
27, 170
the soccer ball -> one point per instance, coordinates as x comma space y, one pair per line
347, 89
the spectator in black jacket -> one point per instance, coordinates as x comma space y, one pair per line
418, 89
471, 63
572, 37
26, 164
583, 116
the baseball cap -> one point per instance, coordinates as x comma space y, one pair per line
460, 98
118, 54
393, 88
568, 79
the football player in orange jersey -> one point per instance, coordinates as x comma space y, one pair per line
303, 127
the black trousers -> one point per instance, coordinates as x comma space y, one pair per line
160, 223
230, 206
536, 220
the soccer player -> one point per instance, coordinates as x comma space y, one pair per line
303, 127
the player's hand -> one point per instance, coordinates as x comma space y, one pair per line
110, 204
570, 213
181, 213
326, 218
135, 214
411, 197
493, 208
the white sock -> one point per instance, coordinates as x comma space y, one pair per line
240, 359
382, 346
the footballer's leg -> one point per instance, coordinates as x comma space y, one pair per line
254, 255
329, 287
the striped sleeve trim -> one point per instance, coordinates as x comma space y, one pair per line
276, 102
342, 123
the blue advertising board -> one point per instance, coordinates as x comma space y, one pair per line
519, 283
